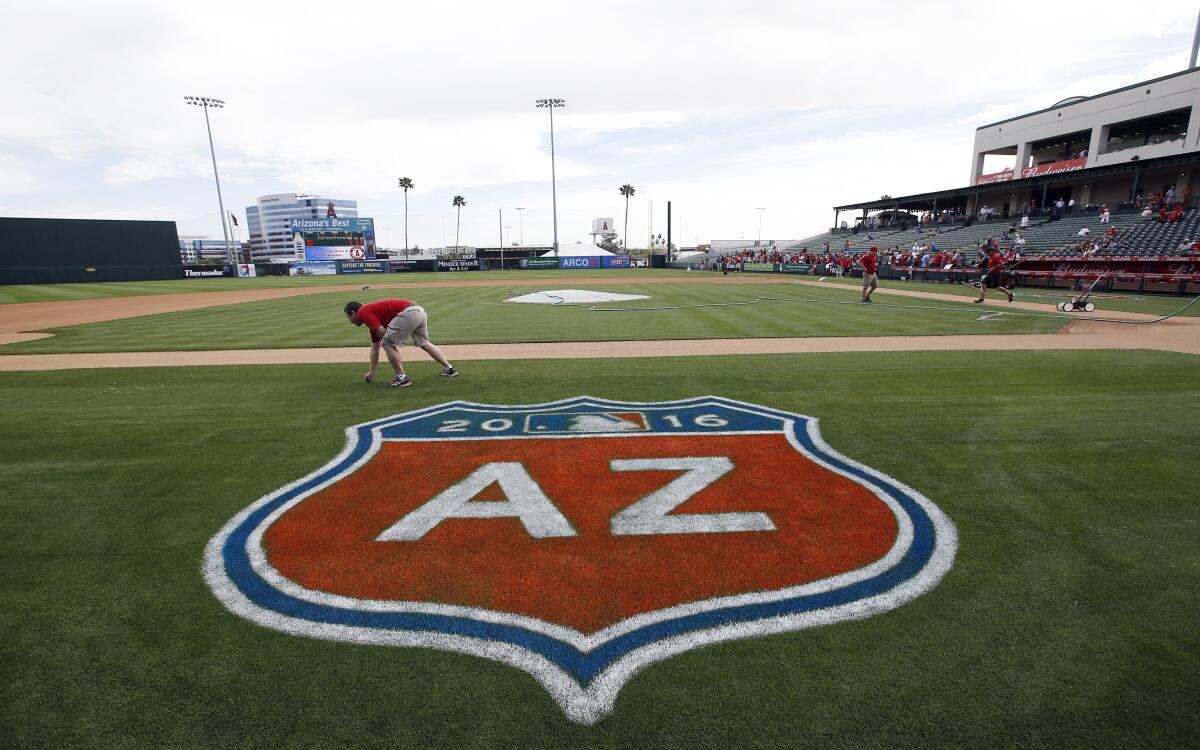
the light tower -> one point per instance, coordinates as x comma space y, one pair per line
206, 103
551, 104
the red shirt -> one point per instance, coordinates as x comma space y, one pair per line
376, 314
868, 263
994, 262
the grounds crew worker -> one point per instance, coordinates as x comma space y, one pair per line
391, 322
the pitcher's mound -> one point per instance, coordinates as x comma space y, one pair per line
573, 297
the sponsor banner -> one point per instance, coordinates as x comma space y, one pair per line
362, 266
760, 267
465, 264
602, 226
988, 179
539, 263
616, 261
329, 224
1070, 165
795, 267
312, 268
206, 272
246, 271
512, 542
408, 265
579, 261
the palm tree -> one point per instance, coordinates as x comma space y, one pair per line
406, 183
627, 191
458, 203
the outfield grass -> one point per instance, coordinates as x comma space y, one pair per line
1068, 619
1149, 304
58, 292
480, 315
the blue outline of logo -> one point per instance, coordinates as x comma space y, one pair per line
582, 672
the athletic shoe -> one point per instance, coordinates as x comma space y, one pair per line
979, 302
450, 372
400, 382
1010, 296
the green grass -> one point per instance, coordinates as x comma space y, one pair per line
479, 315
59, 292
1068, 619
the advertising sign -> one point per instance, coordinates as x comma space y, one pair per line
313, 268
602, 226
579, 262
246, 271
465, 264
332, 238
204, 272
409, 265
758, 266
796, 267
615, 261
1070, 165
362, 266
988, 179
539, 263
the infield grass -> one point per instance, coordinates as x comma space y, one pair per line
461, 315
59, 292
1068, 618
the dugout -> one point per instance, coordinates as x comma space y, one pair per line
62, 251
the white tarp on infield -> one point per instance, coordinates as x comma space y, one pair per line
573, 297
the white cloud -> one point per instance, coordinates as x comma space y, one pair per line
717, 105
15, 176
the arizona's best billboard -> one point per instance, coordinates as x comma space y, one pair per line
331, 238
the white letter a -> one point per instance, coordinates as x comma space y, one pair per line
526, 501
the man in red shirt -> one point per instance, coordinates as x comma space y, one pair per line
993, 269
869, 262
391, 322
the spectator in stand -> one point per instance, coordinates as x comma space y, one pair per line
1110, 234
1071, 206
1147, 212
1186, 197
1176, 214
869, 262
1162, 215
1019, 242
1025, 221
1083, 232
1170, 196
1104, 215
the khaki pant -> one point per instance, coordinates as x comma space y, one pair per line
411, 322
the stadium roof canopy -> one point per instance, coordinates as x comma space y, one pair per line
956, 196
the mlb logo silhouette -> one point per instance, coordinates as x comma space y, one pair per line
579, 540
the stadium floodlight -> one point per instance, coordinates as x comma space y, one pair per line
760, 209
209, 103
521, 216
550, 104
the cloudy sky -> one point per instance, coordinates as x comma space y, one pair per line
721, 107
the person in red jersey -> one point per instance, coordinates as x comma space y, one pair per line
993, 271
391, 322
870, 263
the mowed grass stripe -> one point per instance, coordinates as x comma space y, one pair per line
479, 315
51, 292
1068, 619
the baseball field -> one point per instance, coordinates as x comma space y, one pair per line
159, 420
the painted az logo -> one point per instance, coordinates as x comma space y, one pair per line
579, 540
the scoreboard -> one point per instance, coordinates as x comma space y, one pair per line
332, 239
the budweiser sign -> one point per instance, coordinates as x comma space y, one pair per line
988, 179
1070, 165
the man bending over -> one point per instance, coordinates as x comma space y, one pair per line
391, 322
